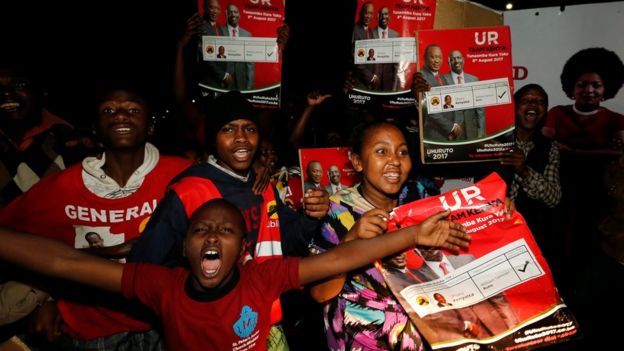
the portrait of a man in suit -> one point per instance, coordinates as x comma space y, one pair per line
364, 75
334, 175
211, 73
386, 72
314, 172
438, 126
239, 75
471, 120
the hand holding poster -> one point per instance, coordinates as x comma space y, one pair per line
499, 293
468, 115
238, 48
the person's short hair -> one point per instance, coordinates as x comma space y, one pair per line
518, 94
224, 203
601, 61
360, 132
428, 48
363, 8
309, 166
138, 91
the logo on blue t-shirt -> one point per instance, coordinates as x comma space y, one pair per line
246, 323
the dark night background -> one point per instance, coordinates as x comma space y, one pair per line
78, 45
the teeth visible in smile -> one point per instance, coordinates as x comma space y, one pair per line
122, 130
10, 106
392, 175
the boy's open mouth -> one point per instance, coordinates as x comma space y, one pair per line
211, 262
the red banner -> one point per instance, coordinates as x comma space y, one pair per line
498, 293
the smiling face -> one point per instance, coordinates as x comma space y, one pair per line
433, 58
236, 144
334, 175
213, 10
531, 109
399, 261
383, 160
19, 102
122, 120
588, 92
315, 171
383, 17
94, 239
456, 61
214, 242
366, 14
233, 15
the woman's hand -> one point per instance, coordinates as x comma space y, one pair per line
193, 25
515, 158
371, 224
437, 231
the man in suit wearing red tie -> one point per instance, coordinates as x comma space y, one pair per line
386, 72
437, 126
240, 75
471, 120
211, 73
364, 73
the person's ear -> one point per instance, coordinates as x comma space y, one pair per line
356, 161
243, 247
151, 128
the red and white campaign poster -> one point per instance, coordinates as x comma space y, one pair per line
499, 294
468, 115
327, 168
238, 49
384, 52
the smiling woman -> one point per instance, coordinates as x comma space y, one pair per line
361, 310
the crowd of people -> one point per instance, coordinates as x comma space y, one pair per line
210, 238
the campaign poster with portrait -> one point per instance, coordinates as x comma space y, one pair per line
327, 168
384, 51
238, 49
499, 294
468, 115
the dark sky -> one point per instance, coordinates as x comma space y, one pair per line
79, 45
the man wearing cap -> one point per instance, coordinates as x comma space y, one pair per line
232, 131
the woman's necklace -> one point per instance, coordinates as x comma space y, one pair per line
581, 113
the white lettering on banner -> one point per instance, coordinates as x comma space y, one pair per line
262, 2
469, 193
96, 215
492, 38
268, 248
